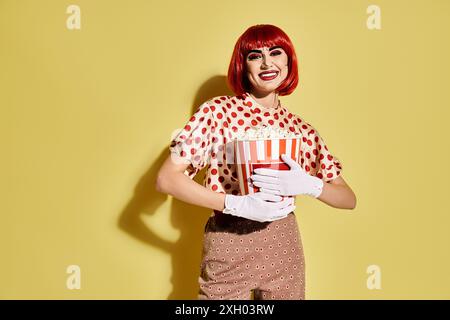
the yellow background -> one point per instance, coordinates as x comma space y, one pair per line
87, 116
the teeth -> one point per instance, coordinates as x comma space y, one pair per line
268, 74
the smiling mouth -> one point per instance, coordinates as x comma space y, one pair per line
267, 76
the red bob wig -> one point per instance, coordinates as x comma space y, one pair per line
258, 36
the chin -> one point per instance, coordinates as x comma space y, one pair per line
268, 89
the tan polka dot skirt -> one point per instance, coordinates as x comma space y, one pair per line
240, 256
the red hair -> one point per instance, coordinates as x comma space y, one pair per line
257, 36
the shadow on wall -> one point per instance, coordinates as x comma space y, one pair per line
189, 219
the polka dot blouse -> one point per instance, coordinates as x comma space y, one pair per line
206, 140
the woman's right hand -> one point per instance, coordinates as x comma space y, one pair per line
258, 206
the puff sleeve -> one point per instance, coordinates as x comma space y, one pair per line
328, 167
193, 143
317, 158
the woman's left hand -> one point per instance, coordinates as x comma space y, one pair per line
287, 182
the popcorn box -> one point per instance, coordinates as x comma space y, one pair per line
251, 154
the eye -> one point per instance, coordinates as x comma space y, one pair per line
253, 57
256, 56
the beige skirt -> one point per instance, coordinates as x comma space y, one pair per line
242, 256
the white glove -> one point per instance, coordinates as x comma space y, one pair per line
287, 182
255, 207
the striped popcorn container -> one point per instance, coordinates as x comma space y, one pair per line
262, 153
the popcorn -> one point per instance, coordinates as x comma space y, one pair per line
262, 147
265, 132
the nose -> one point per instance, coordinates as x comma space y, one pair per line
266, 61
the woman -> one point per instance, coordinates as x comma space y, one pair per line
252, 242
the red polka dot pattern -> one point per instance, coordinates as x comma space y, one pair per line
210, 131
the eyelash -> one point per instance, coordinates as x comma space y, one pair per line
253, 57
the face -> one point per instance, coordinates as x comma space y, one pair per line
265, 60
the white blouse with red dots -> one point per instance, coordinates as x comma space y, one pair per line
206, 140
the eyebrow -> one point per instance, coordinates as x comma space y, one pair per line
270, 49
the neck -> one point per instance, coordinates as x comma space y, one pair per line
267, 100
